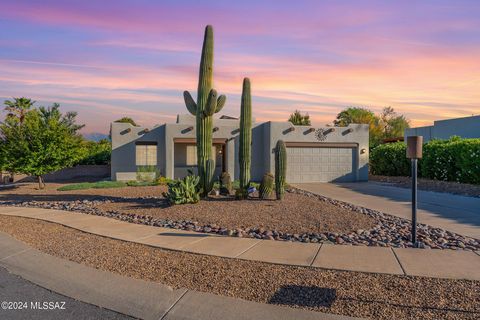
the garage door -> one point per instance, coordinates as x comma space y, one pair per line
320, 164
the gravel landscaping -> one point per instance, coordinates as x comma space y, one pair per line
301, 216
349, 293
464, 189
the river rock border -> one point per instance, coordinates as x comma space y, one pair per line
390, 231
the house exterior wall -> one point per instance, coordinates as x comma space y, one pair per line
358, 135
264, 138
468, 127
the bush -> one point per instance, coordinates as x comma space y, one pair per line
390, 160
147, 173
182, 191
97, 153
455, 159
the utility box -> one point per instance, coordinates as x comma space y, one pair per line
414, 147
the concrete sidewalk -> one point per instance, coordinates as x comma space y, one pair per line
401, 261
133, 297
451, 212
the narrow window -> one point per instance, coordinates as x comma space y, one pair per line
192, 154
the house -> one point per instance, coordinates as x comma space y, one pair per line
313, 154
468, 127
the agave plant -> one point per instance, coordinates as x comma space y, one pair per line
182, 191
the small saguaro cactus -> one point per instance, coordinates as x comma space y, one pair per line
207, 104
225, 183
245, 152
280, 169
266, 187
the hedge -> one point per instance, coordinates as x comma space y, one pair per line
455, 159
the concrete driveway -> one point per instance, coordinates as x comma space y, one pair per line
455, 213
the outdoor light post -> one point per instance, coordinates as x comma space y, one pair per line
414, 152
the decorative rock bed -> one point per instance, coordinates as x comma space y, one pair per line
390, 231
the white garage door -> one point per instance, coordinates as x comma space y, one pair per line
314, 164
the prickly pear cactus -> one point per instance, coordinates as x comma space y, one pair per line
207, 104
280, 169
266, 187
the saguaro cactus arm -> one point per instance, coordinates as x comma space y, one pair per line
220, 102
211, 103
190, 103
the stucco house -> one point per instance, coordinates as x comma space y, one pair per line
467, 127
322, 154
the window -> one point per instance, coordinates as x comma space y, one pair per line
146, 154
192, 154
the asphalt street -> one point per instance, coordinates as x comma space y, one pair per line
21, 299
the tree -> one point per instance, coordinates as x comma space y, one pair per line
127, 120
394, 125
363, 116
18, 108
388, 125
45, 141
298, 119
97, 153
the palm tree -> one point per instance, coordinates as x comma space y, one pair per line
18, 108
298, 119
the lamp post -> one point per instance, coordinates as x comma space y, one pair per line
414, 152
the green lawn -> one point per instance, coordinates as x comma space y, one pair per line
93, 185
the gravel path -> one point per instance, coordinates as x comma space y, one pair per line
349, 293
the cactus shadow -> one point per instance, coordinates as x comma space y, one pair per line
304, 296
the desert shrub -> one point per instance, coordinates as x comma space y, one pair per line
455, 159
390, 160
182, 191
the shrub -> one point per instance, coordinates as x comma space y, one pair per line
97, 153
182, 191
147, 173
455, 159
390, 160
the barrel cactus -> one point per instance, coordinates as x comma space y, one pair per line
207, 104
225, 183
266, 187
245, 152
280, 169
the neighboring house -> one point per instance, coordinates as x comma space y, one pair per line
313, 154
468, 127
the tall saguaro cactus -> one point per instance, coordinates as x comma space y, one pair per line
280, 169
207, 104
245, 152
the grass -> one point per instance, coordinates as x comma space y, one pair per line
93, 185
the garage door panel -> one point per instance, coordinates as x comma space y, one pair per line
307, 164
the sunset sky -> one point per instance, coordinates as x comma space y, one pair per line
109, 59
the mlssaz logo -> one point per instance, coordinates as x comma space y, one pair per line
320, 135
